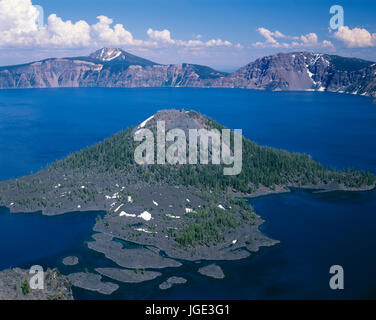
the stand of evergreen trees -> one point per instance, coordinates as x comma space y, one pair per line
261, 166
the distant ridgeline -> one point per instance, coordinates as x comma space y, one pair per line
110, 67
192, 205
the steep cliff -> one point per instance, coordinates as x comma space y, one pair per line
111, 67
306, 71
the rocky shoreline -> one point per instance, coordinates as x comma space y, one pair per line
102, 204
156, 218
14, 285
70, 261
170, 282
107, 229
132, 258
212, 271
128, 276
92, 282
155, 255
319, 187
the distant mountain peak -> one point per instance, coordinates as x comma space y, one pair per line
119, 57
108, 54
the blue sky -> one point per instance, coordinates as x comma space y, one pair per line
222, 34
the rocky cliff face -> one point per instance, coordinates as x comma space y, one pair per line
105, 68
110, 67
305, 71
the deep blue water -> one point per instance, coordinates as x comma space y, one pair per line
315, 230
28, 239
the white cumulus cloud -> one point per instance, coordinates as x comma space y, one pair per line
103, 34
356, 37
304, 41
19, 28
59, 33
163, 36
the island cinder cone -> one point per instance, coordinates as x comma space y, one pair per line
189, 211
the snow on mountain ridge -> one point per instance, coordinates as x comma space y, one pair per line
108, 54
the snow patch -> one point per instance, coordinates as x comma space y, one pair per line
143, 124
171, 216
145, 215
109, 54
310, 74
98, 68
123, 213
117, 209
143, 230
114, 196
113, 57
